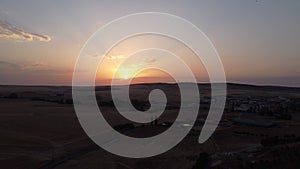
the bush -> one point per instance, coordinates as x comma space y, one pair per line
13, 96
202, 161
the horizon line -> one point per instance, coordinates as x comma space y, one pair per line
152, 83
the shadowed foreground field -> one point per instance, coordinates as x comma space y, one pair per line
259, 129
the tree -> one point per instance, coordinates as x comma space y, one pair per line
13, 96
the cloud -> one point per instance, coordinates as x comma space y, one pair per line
115, 57
94, 55
33, 73
8, 67
8, 31
36, 66
120, 57
150, 60
109, 57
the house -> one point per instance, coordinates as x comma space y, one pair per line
251, 122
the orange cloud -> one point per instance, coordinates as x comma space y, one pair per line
7, 31
114, 57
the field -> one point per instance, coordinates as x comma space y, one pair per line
39, 130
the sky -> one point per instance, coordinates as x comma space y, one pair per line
258, 41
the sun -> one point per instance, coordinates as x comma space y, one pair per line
125, 76
124, 73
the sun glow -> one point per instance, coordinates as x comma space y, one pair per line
125, 73
124, 76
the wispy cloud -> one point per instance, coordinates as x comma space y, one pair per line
33, 73
34, 66
7, 65
150, 60
115, 57
8, 31
109, 57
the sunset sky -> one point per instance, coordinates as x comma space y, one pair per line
258, 42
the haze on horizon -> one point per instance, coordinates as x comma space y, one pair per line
258, 42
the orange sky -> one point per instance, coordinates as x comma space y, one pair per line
125, 59
258, 42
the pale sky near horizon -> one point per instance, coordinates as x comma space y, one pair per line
258, 42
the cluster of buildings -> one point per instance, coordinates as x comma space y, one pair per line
257, 104
60, 97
